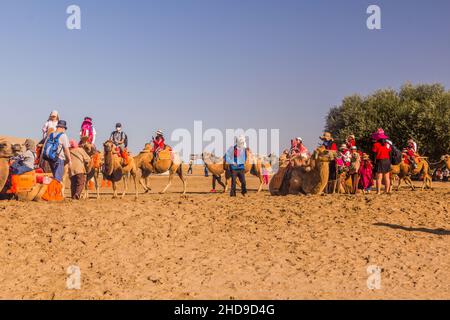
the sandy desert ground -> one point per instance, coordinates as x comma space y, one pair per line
209, 246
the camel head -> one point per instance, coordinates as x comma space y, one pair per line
5, 150
109, 146
323, 155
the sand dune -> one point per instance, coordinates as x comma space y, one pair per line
208, 246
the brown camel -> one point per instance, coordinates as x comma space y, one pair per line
254, 165
5, 154
310, 179
115, 171
446, 159
404, 172
167, 161
94, 168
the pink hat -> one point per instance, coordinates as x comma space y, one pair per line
73, 144
379, 135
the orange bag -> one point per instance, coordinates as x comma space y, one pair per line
54, 192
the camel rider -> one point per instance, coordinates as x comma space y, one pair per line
120, 140
159, 143
328, 142
412, 145
51, 123
409, 156
24, 162
88, 130
236, 157
350, 141
298, 148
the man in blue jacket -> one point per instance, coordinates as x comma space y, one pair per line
236, 157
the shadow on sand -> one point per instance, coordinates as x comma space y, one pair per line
438, 232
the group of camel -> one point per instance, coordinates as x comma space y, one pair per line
300, 176
295, 176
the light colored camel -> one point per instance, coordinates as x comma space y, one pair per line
114, 171
5, 154
145, 162
310, 179
446, 159
254, 165
405, 171
94, 168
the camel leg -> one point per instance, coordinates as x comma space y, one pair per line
135, 185
409, 182
97, 185
143, 183
399, 183
169, 183
125, 185
114, 186
261, 183
183, 179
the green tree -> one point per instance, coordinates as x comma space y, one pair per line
421, 112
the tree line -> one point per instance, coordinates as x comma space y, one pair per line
420, 112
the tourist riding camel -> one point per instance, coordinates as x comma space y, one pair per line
167, 161
115, 169
51, 123
24, 162
88, 130
120, 140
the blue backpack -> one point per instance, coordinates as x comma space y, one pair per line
50, 152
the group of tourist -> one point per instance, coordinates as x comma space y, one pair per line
58, 150
351, 162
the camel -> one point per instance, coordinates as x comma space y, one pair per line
254, 165
114, 171
167, 161
446, 159
94, 168
5, 154
405, 171
309, 179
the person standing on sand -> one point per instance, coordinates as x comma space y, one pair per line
382, 150
80, 161
365, 174
236, 157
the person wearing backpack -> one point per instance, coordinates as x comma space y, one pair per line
88, 130
56, 151
236, 157
120, 140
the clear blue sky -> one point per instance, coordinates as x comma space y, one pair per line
231, 63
